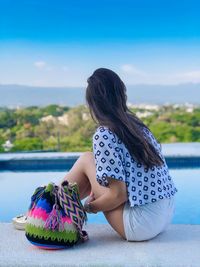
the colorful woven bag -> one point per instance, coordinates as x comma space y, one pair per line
55, 217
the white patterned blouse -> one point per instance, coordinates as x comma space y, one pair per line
113, 159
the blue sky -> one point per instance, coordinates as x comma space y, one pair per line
60, 43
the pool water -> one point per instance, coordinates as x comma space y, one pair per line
17, 187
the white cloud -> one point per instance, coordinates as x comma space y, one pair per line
189, 76
133, 75
40, 64
131, 69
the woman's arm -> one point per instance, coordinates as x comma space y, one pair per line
115, 196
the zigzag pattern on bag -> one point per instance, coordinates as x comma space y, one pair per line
71, 208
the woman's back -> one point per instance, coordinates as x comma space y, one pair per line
112, 158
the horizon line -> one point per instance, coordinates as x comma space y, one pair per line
82, 86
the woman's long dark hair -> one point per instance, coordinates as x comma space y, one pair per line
106, 98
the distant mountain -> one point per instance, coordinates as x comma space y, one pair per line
21, 95
161, 94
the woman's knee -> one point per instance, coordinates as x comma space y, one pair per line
84, 159
90, 172
88, 162
88, 155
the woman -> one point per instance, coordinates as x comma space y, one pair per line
126, 172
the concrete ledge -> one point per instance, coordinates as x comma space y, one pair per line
178, 246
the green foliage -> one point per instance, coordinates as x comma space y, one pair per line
2, 141
7, 119
54, 110
28, 144
70, 129
25, 116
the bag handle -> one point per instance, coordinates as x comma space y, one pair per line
70, 201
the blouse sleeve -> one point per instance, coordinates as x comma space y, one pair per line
108, 157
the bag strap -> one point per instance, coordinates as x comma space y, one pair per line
69, 200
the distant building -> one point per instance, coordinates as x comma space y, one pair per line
186, 106
144, 106
64, 119
85, 116
143, 114
7, 145
48, 118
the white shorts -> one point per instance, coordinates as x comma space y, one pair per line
146, 221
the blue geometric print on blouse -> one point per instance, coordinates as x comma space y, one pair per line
112, 159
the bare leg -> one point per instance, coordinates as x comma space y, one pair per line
83, 173
77, 174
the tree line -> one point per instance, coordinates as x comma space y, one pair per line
60, 128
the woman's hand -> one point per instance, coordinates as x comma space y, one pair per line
87, 204
90, 198
114, 196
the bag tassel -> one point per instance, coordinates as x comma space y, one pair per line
54, 220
